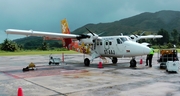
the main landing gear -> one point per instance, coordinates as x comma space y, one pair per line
86, 62
132, 62
114, 61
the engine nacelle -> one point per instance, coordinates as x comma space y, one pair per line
87, 41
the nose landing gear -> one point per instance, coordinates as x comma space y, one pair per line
133, 63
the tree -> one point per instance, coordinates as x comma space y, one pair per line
9, 45
44, 46
165, 38
174, 35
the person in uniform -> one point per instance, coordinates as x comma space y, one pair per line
149, 56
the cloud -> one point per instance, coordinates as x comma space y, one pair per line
45, 15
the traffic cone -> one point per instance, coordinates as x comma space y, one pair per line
100, 65
20, 92
141, 61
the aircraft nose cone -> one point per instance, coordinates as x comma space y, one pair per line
146, 50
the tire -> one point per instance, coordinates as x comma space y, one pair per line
86, 62
167, 70
114, 60
50, 62
133, 63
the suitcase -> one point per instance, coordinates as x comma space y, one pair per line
172, 66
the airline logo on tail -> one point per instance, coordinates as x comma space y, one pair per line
65, 30
64, 26
72, 44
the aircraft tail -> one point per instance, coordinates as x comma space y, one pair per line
70, 43
65, 27
67, 42
65, 30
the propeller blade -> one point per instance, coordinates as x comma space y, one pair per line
142, 33
101, 33
90, 32
135, 35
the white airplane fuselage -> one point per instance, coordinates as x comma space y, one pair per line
119, 46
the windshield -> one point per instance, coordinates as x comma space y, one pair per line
123, 39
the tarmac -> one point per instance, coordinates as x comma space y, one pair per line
72, 78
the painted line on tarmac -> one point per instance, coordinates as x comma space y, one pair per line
8, 74
58, 93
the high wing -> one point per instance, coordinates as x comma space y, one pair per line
51, 34
149, 36
135, 38
40, 33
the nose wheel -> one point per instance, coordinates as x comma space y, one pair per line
133, 63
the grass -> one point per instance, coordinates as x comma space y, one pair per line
35, 52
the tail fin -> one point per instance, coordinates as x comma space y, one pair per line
65, 27
65, 30
72, 44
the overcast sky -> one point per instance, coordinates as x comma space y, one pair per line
45, 15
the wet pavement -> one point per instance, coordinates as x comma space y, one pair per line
72, 78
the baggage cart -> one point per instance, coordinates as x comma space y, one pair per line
165, 55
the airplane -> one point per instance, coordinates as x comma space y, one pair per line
96, 46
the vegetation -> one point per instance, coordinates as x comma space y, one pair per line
35, 52
37, 43
9, 45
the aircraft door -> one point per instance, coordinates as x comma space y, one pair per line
119, 45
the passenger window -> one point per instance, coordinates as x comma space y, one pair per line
106, 43
100, 43
110, 43
97, 43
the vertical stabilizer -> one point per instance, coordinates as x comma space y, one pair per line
65, 27
65, 30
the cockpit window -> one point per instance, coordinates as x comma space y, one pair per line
123, 39
118, 41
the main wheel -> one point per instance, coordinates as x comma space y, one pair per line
133, 63
86, 62
114, 60
50, 62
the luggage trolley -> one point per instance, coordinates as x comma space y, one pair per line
168, 59
54, 60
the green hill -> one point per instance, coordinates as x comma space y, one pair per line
147, 21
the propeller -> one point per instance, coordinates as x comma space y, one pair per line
101, 33
142, 33
135, 35
90, 32
82, 36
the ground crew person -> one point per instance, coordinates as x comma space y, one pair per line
150, 56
